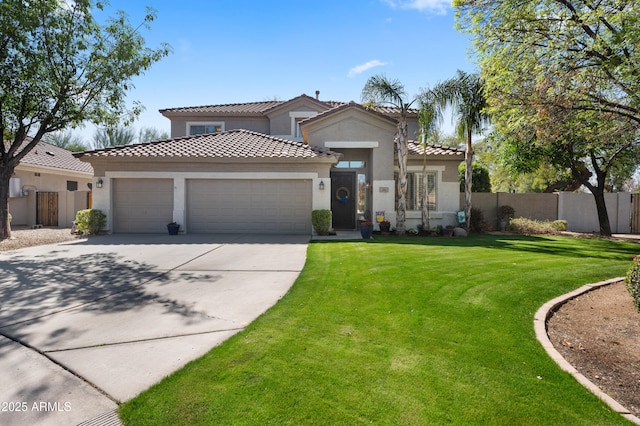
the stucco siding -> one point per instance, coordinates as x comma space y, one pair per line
257, 124
23, 208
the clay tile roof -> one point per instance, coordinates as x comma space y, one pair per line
415, 148
230, 144
343, 106
239, 108
47, 155
260, 108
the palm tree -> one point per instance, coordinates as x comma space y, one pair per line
380, 91
465, 94
429, 119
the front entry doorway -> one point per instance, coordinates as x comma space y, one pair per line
343, 200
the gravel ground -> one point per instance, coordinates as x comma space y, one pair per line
23, 237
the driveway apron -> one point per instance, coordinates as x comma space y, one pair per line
88, 324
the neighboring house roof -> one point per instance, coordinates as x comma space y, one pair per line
230, 144
51, 156
416, 148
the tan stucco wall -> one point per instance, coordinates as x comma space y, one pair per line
23, 209
101, 166
281, 117
257, 124
450, 172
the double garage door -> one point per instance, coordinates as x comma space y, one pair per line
214, 206
255, 206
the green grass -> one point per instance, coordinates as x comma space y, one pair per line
400, 331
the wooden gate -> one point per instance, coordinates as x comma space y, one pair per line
635, 213
47, 209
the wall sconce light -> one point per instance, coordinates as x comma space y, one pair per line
99, 183
321, 185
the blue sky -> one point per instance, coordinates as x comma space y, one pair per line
227, 51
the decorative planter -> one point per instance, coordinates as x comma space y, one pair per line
173, 228
366, 231
385, 226
447, 232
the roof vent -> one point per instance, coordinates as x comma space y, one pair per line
50, 153
317, 95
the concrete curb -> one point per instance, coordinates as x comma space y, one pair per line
540, 327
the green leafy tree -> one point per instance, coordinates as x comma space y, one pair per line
151, 134
67, 140
380, 91
113, 136
480, 180
59, 67
563, 78
465, 94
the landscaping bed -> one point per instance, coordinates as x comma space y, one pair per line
599, 334
25, 237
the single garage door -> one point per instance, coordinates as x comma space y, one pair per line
255, 206
142, 205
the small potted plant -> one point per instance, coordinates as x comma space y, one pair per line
385, 226
366, 229
173, 228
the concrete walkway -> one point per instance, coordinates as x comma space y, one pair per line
87, 324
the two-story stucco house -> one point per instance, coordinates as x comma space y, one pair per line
264, 166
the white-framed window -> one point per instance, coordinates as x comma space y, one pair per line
414, 190
203, 127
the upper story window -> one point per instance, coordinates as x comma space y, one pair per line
296, 118
200, 128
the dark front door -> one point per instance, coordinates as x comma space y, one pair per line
343, 200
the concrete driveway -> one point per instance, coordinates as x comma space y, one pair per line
86, 324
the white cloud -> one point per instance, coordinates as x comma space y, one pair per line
436, 6
359, 69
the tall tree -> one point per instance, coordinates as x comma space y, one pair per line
67, 140
151, 134
555, 67
429, 120
465, 94
113, 136
60, 67
380, 91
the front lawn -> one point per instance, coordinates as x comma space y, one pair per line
400, 331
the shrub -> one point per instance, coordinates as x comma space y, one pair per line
632, 281
506, 212
90, 221
478, 223
560, 225
526, 226
321, 221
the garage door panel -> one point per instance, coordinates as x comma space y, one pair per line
142, 205
270, 206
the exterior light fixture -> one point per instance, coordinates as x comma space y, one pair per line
321, 185
99, 183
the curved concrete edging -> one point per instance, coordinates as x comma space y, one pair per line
540, 326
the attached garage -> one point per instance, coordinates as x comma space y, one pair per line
256, 206
142, 205
236, 181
